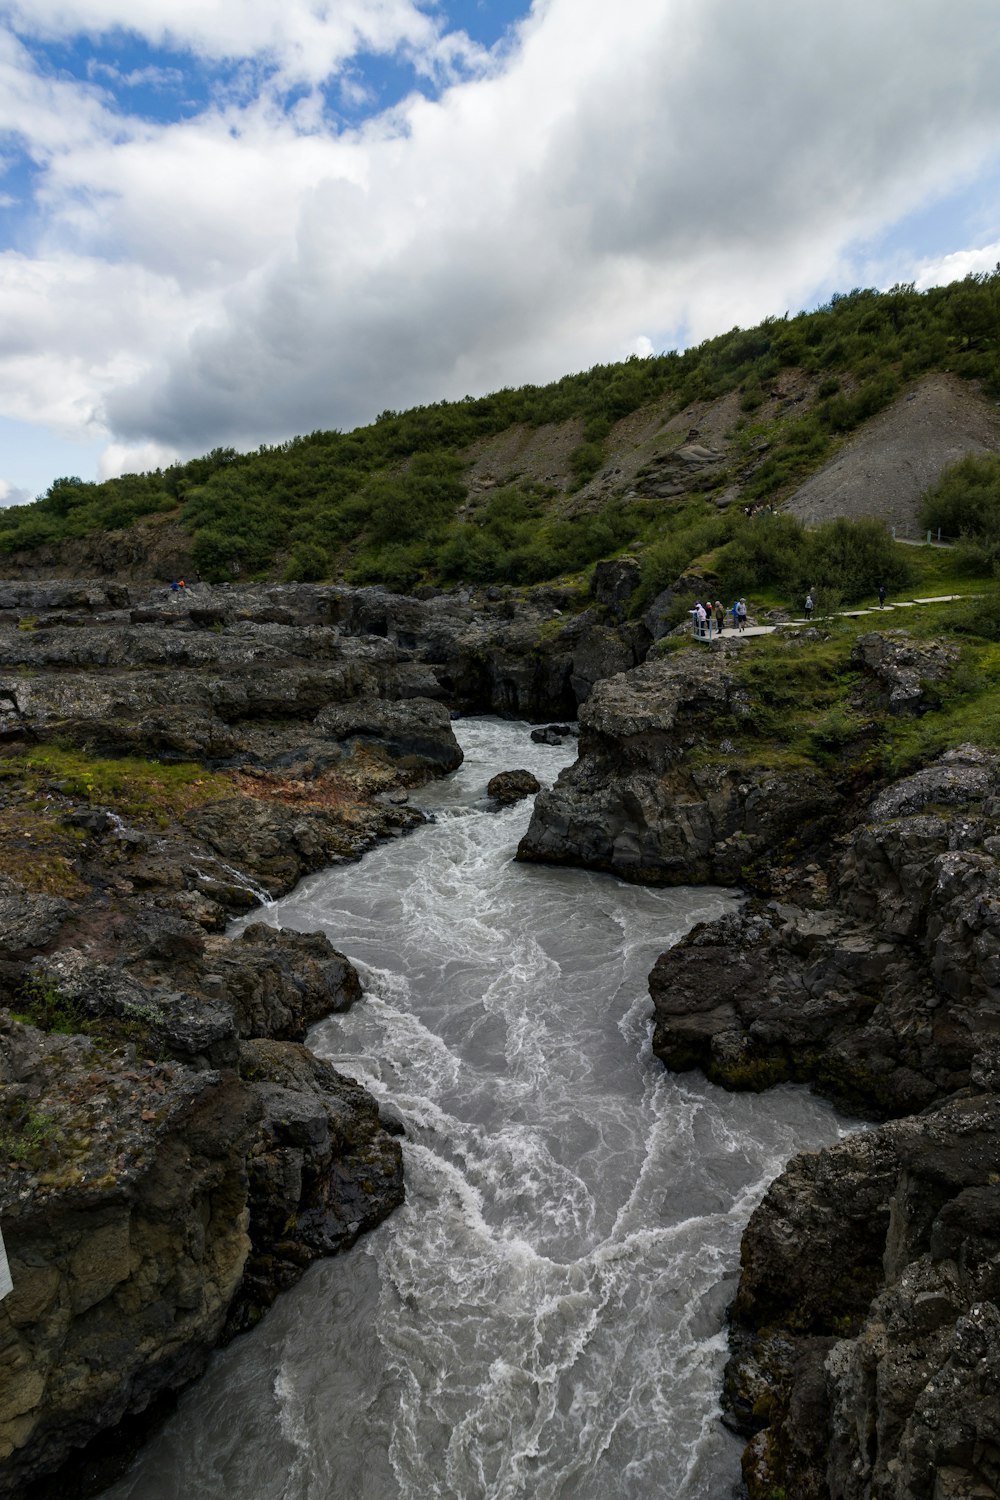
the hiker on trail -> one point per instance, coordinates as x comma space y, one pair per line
735, 612
881, 596
700, 617
720, 615
810, 606
741, 614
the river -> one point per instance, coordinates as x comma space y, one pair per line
544, 1316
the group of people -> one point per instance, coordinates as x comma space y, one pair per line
702, 615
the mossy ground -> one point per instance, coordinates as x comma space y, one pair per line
802, 693
145, 792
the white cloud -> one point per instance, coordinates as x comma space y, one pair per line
955, 267
11, 495
305, 40
666, 165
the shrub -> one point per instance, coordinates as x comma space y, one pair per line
854, 557
309, 563
966, 499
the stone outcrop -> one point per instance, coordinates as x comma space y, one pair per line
900, 674
887, 993
512, 786
228, 654
643, 801
161, 1179
866, 1329
171, 1157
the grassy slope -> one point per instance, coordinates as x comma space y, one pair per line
539, 482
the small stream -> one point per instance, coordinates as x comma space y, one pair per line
544, 1316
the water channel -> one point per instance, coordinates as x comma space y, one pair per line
544, 1316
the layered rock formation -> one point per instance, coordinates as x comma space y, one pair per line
658, 793
161, 1178
866, 1329
170, 1156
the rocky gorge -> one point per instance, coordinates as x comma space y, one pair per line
174, 1157
866, 1358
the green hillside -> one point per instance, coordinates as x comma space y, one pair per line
395, 502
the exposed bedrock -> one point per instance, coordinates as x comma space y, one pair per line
656, 795
885, 994
165, 1173
866, 1329
223, 655
866, 1333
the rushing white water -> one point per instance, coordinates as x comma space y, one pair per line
544, 1316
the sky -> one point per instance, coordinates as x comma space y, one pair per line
226, 222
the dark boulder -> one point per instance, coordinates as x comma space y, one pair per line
512, 786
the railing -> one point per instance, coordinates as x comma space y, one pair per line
705, 630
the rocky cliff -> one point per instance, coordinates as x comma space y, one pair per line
660, 792
170, 1155
167, 1166
866, 962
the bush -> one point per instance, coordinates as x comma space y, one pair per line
853, 557
966, 499
309, 563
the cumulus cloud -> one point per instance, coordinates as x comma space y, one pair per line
11, 495
607, 181
304, 40
954, 267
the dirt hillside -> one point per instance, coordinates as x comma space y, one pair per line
884, 469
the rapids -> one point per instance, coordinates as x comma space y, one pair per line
545, 1316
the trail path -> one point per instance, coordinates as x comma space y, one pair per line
728, 631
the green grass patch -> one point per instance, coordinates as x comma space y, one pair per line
939, 570
43, 1005
141, 791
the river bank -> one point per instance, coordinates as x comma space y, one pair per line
271, 732
544, 1314
867, 965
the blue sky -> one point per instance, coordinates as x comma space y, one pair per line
228, 221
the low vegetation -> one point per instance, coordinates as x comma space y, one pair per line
809, 707
139, 791
390, 502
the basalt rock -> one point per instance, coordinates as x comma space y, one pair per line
889, 996
866, 1328
166, 1171
900, 673
512, 786
123, 1196
643, 802
205, 657
322, 1170
162, 1181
